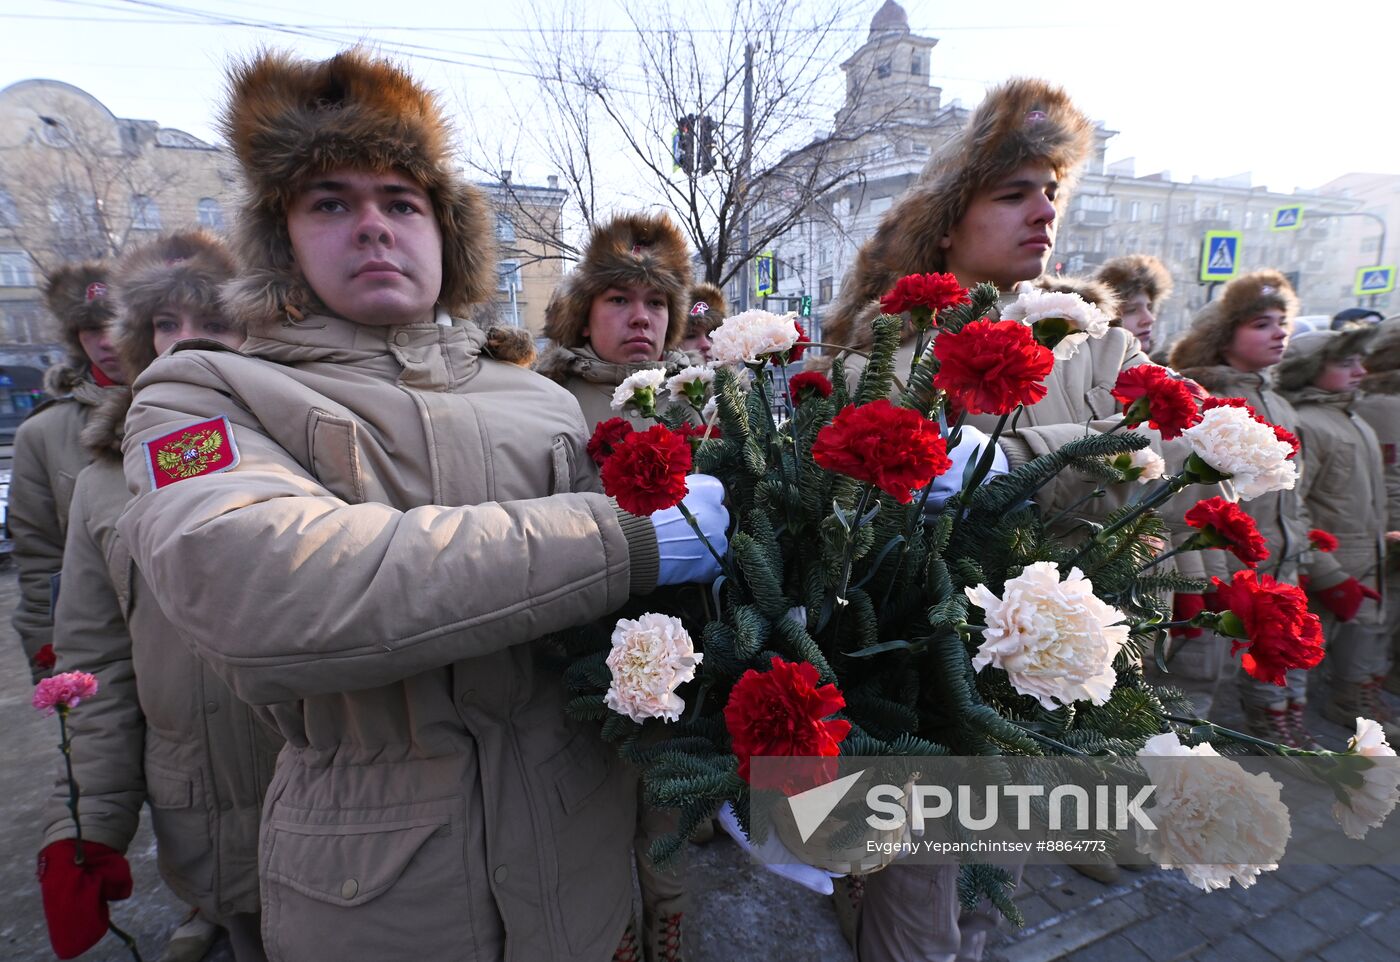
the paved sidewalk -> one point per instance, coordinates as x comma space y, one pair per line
742, 912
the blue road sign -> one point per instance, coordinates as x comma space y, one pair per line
1375, 280
1287, 218
1220, 255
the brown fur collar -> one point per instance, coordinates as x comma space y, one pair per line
514, 345
1222, 380
559, 363
106, 425
1019, 122
631, 250
289, 119
63, 378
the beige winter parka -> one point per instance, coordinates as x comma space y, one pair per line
1281, 516
1346, 484
592, 380
405, 518
47, 459
164, 728
1379, 404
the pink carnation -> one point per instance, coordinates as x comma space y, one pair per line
66, 690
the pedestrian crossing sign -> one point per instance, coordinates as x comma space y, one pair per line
1375, 280
1287, 218
1220, 255
764, 281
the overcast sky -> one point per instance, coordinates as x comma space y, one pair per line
1297, 93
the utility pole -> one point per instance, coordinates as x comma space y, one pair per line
744, 168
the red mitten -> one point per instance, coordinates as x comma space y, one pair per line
76, 896
1344, 600
1184, 608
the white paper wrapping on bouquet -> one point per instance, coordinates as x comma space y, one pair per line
776, 857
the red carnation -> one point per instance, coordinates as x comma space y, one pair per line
992, 366
1273, 619
1324, 541
808, 381
1148, 392
779, 713
1228, 402
696, 433
924, 295
44, 658
800, 346
606, 437
1284, 435
893, 448
1224, 525
646, 471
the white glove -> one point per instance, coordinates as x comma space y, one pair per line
776, 857
684, 557
963, 456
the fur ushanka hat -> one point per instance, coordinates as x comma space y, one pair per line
79, 298
1213, 328
1092, 291
1019, 122
182, 271
631, 250
288, 120
707, 309
1384, 352
1137, 274
1308, 351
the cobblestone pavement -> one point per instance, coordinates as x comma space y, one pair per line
743, 913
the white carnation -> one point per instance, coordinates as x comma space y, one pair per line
1207, 810
1367, 807
1152, 464
690, 375
1035, 305
1233, 442
710, 412
649, 380
1054, 639
748, 337
651, 657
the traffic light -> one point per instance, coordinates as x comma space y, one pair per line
705, 158
683, 144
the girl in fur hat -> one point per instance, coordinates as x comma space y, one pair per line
48, 454
707, 311
366, 523
1141, 283
164, 720
624, 310
1319, 374
1379, 404
1229, 349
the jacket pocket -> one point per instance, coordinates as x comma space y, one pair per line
562, 466
335, 458
594, 864
184, 831
372, 884
1100, 400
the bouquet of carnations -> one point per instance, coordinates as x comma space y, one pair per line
875, 601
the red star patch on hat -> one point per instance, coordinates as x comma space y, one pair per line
700, 309
205, 447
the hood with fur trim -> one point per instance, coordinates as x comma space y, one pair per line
288, 120
514, 345
1089, 289
1213, 328
707, 309
631, 250
1308, 351
1137, 274
106, 425
183, 271
1384, 354
79, 298
1022, 121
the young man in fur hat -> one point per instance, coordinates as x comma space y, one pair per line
1379, 404
1319, 375
707, 311
621, 310
48, 454
1141, 283
1229, 349
166, 730
364, 524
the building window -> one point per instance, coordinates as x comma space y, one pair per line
920, 147
9, 213
1225, 213
1181, 213
1156, 213
802, 263
823, 256
508, 276
881, 204
145, 215
505, 227
916, 66
883, 69
1133, 207
778, 271
54, 132
209, 213
16, 269
824, 291
1248, 219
